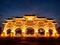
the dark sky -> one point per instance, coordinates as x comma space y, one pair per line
46, 8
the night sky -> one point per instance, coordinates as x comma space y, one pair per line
45, 8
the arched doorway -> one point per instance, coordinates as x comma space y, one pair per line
50, 32
30, 30
18, 32
41, 31
9, 32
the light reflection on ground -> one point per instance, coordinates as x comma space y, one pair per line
29, 41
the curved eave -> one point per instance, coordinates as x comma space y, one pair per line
30, 16
3, 23
18, 19
50, 20
41, 19
8, 19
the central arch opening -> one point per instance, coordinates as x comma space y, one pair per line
18, 32
8, 32
41, 31
30, 30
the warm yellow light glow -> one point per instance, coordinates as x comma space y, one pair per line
36, 31
4, 31
29, 21
29, 18
12, 31
55, 31
23, 31
46, 30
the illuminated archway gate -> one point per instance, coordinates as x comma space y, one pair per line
39, 26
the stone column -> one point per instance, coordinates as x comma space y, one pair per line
4, 33
35, 32
46, 32
55, 33
13, 33
23, 31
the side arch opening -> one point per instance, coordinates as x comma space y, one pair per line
50, 32
9, 32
